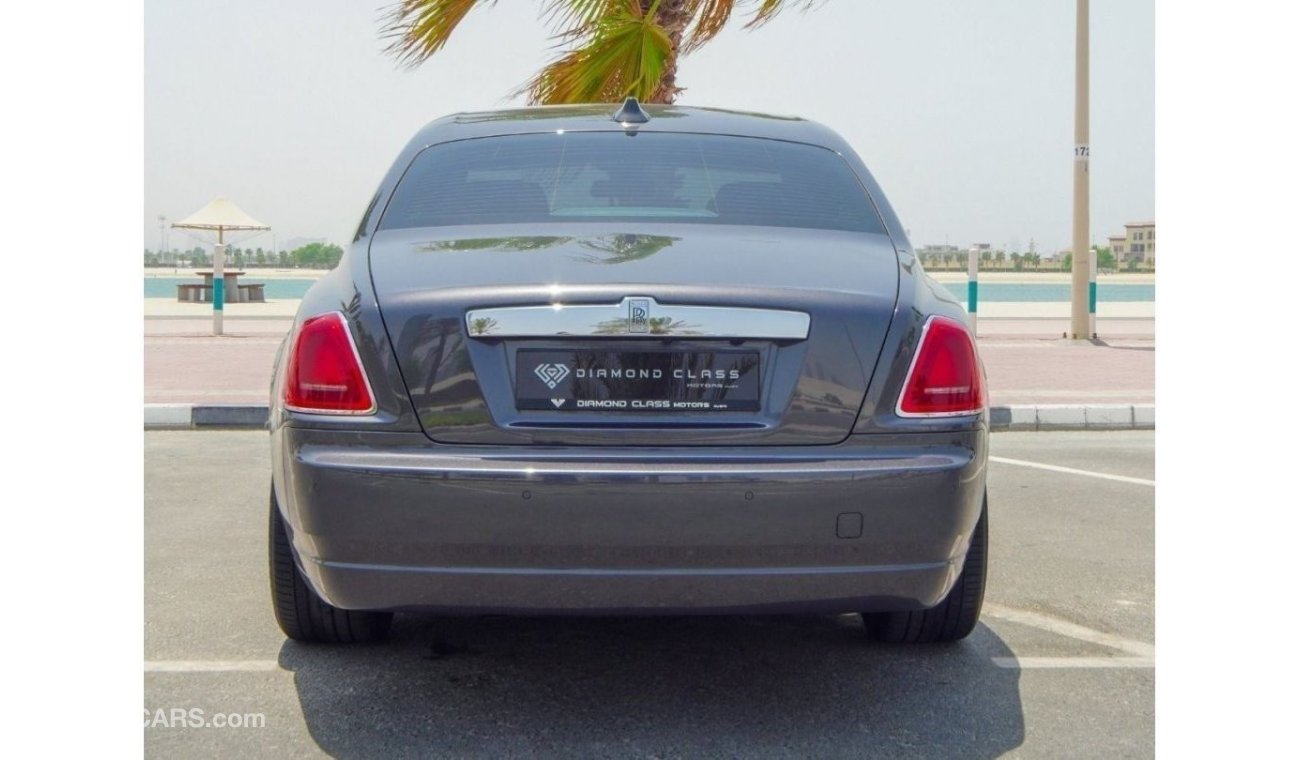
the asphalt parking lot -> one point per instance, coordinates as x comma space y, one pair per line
1061, 665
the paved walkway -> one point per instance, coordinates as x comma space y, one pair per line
1026, 361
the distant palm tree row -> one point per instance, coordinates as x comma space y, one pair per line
1001, 261
608, 49
310, 256
993, 260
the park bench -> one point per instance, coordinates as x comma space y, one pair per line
236, 292
187, 292
252, 292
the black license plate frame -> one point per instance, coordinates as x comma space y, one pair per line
663, 380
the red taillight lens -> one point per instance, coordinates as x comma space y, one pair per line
325, 374
945, 379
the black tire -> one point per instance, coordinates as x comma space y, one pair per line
952, 619
304, 616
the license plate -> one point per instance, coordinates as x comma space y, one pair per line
637, 381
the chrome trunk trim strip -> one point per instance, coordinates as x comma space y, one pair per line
636, 317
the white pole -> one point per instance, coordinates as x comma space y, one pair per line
973, 288
1082, 151
218, 285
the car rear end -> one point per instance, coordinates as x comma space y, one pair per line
605, 370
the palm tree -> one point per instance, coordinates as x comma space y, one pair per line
610, 49
482, 326
657, 325
620, 249
518, 244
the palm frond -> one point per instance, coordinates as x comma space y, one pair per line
420, 28
710, 16
623, 54
767, 10
575, 18
612, 48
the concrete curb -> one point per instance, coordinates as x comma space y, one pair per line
205, 416
1073, 417
1016, 417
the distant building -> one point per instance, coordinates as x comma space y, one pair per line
1117, 244
1140, 242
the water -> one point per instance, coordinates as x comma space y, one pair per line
1037, 292
1014, 292
165, 287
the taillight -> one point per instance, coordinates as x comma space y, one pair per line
945, 378
325, 374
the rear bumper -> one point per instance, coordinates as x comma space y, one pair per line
390, 521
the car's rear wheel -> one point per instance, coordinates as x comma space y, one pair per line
304, 616
953, 618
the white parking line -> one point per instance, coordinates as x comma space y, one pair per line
1073, 471
1058, 663
1071, 630
1137, 654
210, 666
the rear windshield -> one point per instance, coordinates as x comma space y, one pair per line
613, 176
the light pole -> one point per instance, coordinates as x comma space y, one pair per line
1082, 253
162, 237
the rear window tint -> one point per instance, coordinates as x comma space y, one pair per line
611, 176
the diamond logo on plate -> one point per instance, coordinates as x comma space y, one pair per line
551, 374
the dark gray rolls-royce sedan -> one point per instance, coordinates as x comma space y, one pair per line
628, 360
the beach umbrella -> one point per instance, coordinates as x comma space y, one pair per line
220, 216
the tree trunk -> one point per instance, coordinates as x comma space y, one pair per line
673, 16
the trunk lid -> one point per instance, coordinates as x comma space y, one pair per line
480, 360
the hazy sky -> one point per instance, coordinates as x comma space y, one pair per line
962, 110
